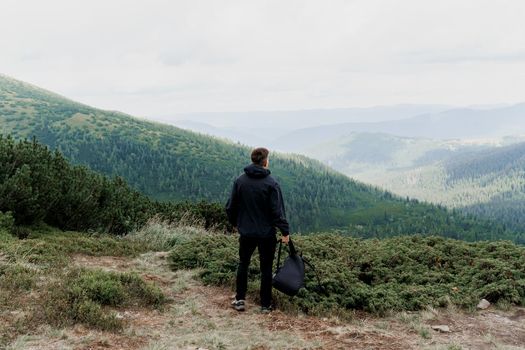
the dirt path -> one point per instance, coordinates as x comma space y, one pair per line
198, 317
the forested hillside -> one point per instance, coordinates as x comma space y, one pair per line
367, 156
488, 183
484, 177
168, 163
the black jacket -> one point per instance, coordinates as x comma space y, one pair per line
256, 204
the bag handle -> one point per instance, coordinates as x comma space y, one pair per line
292, 251
291, 247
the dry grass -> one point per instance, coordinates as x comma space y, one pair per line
161, 236
200, 318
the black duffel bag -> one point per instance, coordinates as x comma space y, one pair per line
290, 277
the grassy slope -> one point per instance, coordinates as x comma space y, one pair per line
39, 284
171, 164
45, 277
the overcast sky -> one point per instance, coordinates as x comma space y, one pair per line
158, 58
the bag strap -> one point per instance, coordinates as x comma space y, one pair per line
290, 247
309, 264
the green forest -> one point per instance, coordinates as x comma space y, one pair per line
501, 174
489, 184
172, 165
481, 177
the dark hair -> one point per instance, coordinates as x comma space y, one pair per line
259, 156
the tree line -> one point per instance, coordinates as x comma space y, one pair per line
38, 185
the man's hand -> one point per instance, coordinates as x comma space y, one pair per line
285, 239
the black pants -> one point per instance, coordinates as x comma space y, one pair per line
266, 248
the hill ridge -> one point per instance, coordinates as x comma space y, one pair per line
168, 163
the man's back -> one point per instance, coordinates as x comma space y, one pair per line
256, 206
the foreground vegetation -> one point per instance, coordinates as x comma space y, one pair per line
38, 185
402, 273
40, 286
43, 285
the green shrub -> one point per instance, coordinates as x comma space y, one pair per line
59, 310
39, 185
7, 222
21, 232
5, 237
216, 254
99, 287
90, 313
15, 277
82, 296
113, 289
401, 273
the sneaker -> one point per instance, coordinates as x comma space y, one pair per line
238, 305
266, 309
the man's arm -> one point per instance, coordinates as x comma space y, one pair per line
278, 212
232, 206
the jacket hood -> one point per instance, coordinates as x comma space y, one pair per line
256, 171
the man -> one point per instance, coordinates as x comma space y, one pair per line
256, 209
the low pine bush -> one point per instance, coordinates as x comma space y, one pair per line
401, 273
83, 296
41, 186
113, 289
16, 277
39, 282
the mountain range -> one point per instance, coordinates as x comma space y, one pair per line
168, 163
299, 130
420, 156
288, 120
